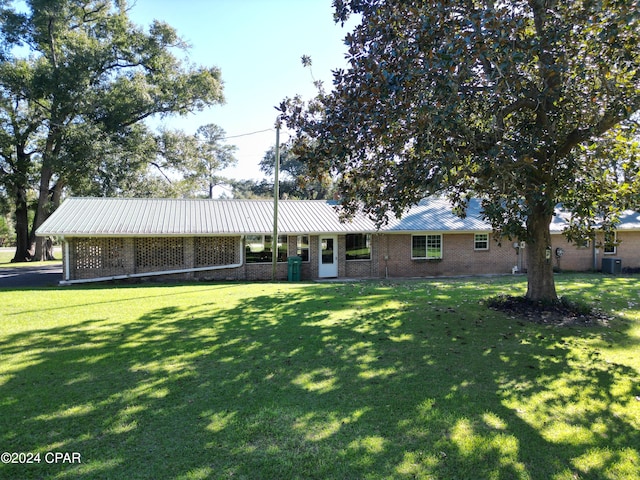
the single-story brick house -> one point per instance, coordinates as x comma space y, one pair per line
118, 238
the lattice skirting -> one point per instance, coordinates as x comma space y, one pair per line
157, 254
99, 254
215, 251
105, 257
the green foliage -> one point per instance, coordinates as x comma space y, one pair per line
212, 155
478, 98
297, 182
7, 237
188, 165
76, 81
252, 189
609, 183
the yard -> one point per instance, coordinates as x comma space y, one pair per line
7, 253
371, 380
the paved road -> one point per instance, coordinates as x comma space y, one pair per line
44, 276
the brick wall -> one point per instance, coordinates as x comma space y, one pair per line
458, 257
362, 268
255, 271
108, 257
390, 257
100, 257
628, 249
582, 258
574, 258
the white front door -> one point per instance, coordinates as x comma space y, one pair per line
328, 262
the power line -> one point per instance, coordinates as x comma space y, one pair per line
247, 134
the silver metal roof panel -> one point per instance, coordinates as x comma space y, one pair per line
195, 217
142, 216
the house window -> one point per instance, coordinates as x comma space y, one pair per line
303, 247
481, 241
610, 242
583, 243
359, 246
258, 248
426, 247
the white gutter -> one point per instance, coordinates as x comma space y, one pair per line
151, 274
66, 260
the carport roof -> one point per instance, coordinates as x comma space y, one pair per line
193, 217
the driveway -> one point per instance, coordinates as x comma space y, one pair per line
44, 276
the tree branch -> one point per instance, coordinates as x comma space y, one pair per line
52, 45
520, 104
155, 164
580, 135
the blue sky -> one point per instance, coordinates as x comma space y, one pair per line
258, 45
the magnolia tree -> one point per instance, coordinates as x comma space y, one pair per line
522, 104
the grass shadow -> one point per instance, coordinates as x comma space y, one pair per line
415, 380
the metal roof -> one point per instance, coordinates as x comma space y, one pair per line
435, 214
629, 220
89, 217
194, 217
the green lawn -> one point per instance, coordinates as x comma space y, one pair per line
7, 254
327, 381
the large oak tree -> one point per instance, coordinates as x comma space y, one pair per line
504, 101
77, 78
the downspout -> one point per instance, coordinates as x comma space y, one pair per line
156, 274
386, 256
66, 260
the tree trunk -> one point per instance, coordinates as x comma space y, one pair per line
56, 196
45, 191
540, 282
42, 212
23, 245
48, 249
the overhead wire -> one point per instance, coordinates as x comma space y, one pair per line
250, 133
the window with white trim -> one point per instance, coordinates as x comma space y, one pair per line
481, 241
610, 242
426, 247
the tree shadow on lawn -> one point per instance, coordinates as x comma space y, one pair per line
344, 381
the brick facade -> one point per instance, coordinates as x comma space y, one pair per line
391, 257
628, 249
114, 257
458, 257
590, 256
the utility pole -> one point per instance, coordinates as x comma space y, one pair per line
276, 197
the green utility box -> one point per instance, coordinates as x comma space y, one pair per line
294, 266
